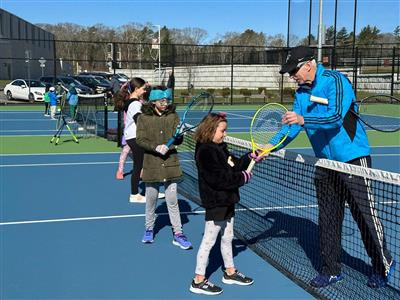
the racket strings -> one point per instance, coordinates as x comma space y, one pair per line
201, 106
266, 124
380, 112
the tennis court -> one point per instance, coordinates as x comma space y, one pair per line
68, 230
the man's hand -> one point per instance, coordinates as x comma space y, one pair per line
292, 118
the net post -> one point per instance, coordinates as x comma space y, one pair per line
105, 115
119, 128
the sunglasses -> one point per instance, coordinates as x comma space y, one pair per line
294, 72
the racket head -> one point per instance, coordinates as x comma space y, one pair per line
267, 128
380, 112
199, 106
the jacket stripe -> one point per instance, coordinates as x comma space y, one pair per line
338, 101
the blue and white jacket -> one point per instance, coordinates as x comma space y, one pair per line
334, 132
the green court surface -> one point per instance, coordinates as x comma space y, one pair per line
41, 144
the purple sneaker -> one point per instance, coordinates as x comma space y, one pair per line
181, 241
148, 236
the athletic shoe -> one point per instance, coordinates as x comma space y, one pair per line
138, 198
46, 115
377, 281
161, 195
237, 278
323, 280
181, 240
148, 236
205, 287
119, 175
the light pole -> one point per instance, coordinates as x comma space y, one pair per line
159, 53
320, 28
28, 57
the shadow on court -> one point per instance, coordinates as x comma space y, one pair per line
305, 233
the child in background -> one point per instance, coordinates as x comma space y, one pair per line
161, 166
119, 104
220, 176
46, 101
53, 102
72, 97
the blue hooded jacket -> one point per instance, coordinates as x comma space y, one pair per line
72, 95
334, 132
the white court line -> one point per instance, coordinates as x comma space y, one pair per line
197, 212
239, 115
26, 130
30, 120
89, 218
45, 154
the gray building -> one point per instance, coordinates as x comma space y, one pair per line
22, 45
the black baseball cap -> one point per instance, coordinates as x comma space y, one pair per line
296, 55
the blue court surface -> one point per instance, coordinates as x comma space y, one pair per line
69, 232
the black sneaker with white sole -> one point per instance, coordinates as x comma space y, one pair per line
237, 278
205, 287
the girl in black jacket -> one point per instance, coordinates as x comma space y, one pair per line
220, 176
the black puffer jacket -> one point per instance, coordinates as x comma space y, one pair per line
220, 174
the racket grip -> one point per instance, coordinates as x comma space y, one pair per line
170, 142
251, 165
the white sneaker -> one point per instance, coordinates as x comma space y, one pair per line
161, 195
137, 198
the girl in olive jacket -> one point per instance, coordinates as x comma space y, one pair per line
155, 126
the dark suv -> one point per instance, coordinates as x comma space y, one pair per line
96, 83
66, 82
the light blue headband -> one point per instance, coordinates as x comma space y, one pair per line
160, 94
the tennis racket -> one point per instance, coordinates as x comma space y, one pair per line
379, 112
267, 131
198, 107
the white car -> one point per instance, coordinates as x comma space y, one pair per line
31, 90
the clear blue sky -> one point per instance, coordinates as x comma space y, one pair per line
215, 16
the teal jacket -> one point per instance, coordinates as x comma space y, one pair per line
334, 132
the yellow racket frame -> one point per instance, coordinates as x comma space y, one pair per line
254, 145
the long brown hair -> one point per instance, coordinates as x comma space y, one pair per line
123, 94
206, 130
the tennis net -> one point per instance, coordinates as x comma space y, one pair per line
91, 113
277, 217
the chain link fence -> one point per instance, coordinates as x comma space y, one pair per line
234, 74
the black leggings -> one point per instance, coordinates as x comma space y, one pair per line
46, 107
137, 153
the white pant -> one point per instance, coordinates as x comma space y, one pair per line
211, 231
53, 109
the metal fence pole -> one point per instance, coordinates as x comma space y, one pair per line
355, 70
54, 62
232, 61
393, 63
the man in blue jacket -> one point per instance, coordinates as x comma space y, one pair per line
322, 107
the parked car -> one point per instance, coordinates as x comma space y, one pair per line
96, 83
66, 82
122, 78
105, 75
24, 89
